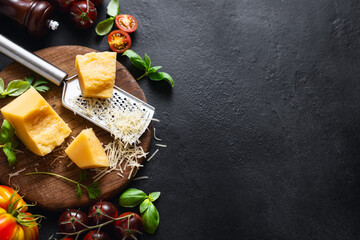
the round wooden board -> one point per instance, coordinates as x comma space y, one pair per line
50, 192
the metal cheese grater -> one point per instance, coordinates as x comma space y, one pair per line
120, 101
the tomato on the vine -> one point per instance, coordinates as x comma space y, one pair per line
102, 212
83, 15
119, 41
15, 223
126, 23
72, 220
96, 235
128, 228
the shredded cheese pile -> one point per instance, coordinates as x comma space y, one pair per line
121, 156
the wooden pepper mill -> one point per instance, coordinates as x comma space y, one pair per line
33, 15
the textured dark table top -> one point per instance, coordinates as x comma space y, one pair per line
263, 124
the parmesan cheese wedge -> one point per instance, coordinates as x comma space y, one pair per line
86, 151
97, 72
37, 125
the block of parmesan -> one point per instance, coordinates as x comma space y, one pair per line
96, 72
36, 124
86, 151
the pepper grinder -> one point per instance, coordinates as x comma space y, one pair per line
33, 15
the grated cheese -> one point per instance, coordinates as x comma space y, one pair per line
152, 155
158, 139
161, 145
121, 156
125, 123
140, 178
15, 174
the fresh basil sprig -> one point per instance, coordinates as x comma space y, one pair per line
8, 143
149, 214
39, 84
14, 88
145, 65
105, 26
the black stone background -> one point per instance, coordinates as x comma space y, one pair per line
263, 124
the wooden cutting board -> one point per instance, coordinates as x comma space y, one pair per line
51, 192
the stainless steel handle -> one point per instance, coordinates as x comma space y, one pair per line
31, 61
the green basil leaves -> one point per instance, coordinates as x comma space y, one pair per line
104, 27
14, 88
149, 214
145, 65
8, 143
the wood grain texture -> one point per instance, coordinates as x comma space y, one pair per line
50, 192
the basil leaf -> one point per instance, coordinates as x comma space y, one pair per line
131, 54
150, 219
10, 155
17, 87
154, 69
105, 26
144, 205
131, 197
158, 76
2, 90
113, 8
6, 132
135, 59
168, 78
147, 61
153, 196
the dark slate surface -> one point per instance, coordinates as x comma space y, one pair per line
262, 125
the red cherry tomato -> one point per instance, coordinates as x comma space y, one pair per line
96, 235
72, 220
119, 41
99, 211
126, 23
83, 16
63, 5
128, 228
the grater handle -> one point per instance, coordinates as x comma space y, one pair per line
31, 61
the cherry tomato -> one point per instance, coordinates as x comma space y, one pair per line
126, 23
128, 228
96, 235
82, 15
119, 41
72, 220
15, 224
63, 5
98, 211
